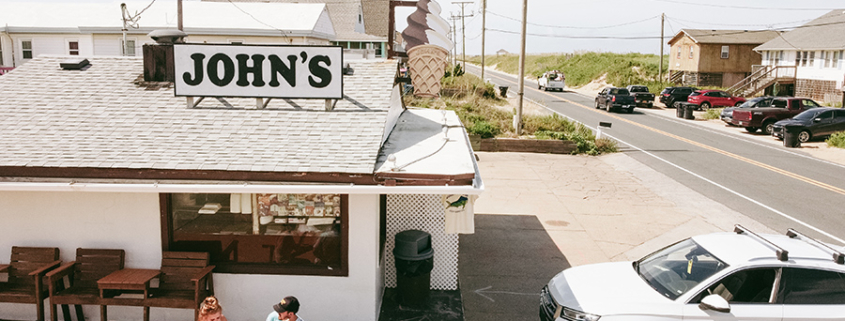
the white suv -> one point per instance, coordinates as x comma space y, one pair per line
719, 276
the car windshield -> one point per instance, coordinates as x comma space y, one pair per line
678, 268
807, 115
639, 89
753, 102
695, 94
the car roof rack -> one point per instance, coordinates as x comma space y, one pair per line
782, 254
838, 256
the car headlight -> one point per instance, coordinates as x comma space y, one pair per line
575, 315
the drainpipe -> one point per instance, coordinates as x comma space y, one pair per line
11, 41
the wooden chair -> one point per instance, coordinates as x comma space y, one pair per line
186, 280
26, 271
90, 266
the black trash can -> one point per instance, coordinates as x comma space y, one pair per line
679, 110
790, 136
688, 108
414, 259
503, 90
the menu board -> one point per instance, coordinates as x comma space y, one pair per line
298, 208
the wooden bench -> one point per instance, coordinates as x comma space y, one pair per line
90, 266
26, 270
186, 280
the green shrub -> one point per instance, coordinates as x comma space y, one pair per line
713, 113
836, 140
483, 129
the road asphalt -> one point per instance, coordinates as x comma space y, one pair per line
542, 213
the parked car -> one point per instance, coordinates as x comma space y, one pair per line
764, 118
814, 123
706, 99
612, 98
551, 80
727, 113
642, 96
718, 276
670, 95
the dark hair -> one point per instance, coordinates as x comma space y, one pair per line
288, 304
210, 306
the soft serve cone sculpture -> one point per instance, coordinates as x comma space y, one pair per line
427, 46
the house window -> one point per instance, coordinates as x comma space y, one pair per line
725, 52
73, 48
1, 53
236, 42
680, 48
690, 51
812, 57
26, 49
128, 47
298, 234
802, 56
377, 46
827, 57
836, 59
797, 58
360, 19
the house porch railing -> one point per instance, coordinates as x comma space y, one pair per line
4, 70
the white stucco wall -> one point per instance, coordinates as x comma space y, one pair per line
132, 222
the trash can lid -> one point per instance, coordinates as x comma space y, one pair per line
413, 245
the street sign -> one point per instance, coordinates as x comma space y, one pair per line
258, 71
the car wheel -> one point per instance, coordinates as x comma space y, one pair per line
539, 87
670, 103
608, 107
739, 103
650, 105
705, 106
597, 104
751, 129
768, 127
804, 136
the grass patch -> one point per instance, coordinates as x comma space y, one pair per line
713, 113
836, 140
478, 106
582, 68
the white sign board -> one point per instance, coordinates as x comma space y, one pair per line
258, 71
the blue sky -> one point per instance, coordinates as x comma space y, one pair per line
558, 21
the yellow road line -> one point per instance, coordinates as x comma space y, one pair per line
707, 147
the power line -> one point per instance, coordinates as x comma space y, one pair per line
745, 7
259, 21
740, 24
576, 37
574, 27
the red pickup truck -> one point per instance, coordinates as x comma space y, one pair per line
764, 118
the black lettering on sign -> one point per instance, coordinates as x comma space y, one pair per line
321, 72
198, 58
278, 67
256, 70
228, 69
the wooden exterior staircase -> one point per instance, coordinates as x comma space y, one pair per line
761, 78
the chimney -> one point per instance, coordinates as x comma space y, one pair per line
158, 57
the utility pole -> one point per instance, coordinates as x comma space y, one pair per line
454, 39
518, 121
179, 14
660, 71
483, 31
463, 32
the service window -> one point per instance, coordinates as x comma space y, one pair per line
26, 49
725, 52
808, 286
73, 48
299, 234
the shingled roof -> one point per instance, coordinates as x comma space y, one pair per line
102, 118
823, 33
738, 37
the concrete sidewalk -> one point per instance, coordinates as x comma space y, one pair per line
541, 213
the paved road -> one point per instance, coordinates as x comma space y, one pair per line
777, 186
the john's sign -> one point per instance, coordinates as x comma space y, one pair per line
258, 71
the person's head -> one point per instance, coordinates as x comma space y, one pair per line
288, 307
210, 310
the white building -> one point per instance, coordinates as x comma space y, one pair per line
102, 158
28, 30
815, 52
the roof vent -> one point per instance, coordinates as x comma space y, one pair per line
348, 70
168, 36
74, 64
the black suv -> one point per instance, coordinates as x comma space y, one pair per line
670, 95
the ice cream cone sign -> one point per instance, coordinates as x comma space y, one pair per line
427, 46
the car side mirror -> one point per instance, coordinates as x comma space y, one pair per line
716, 303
